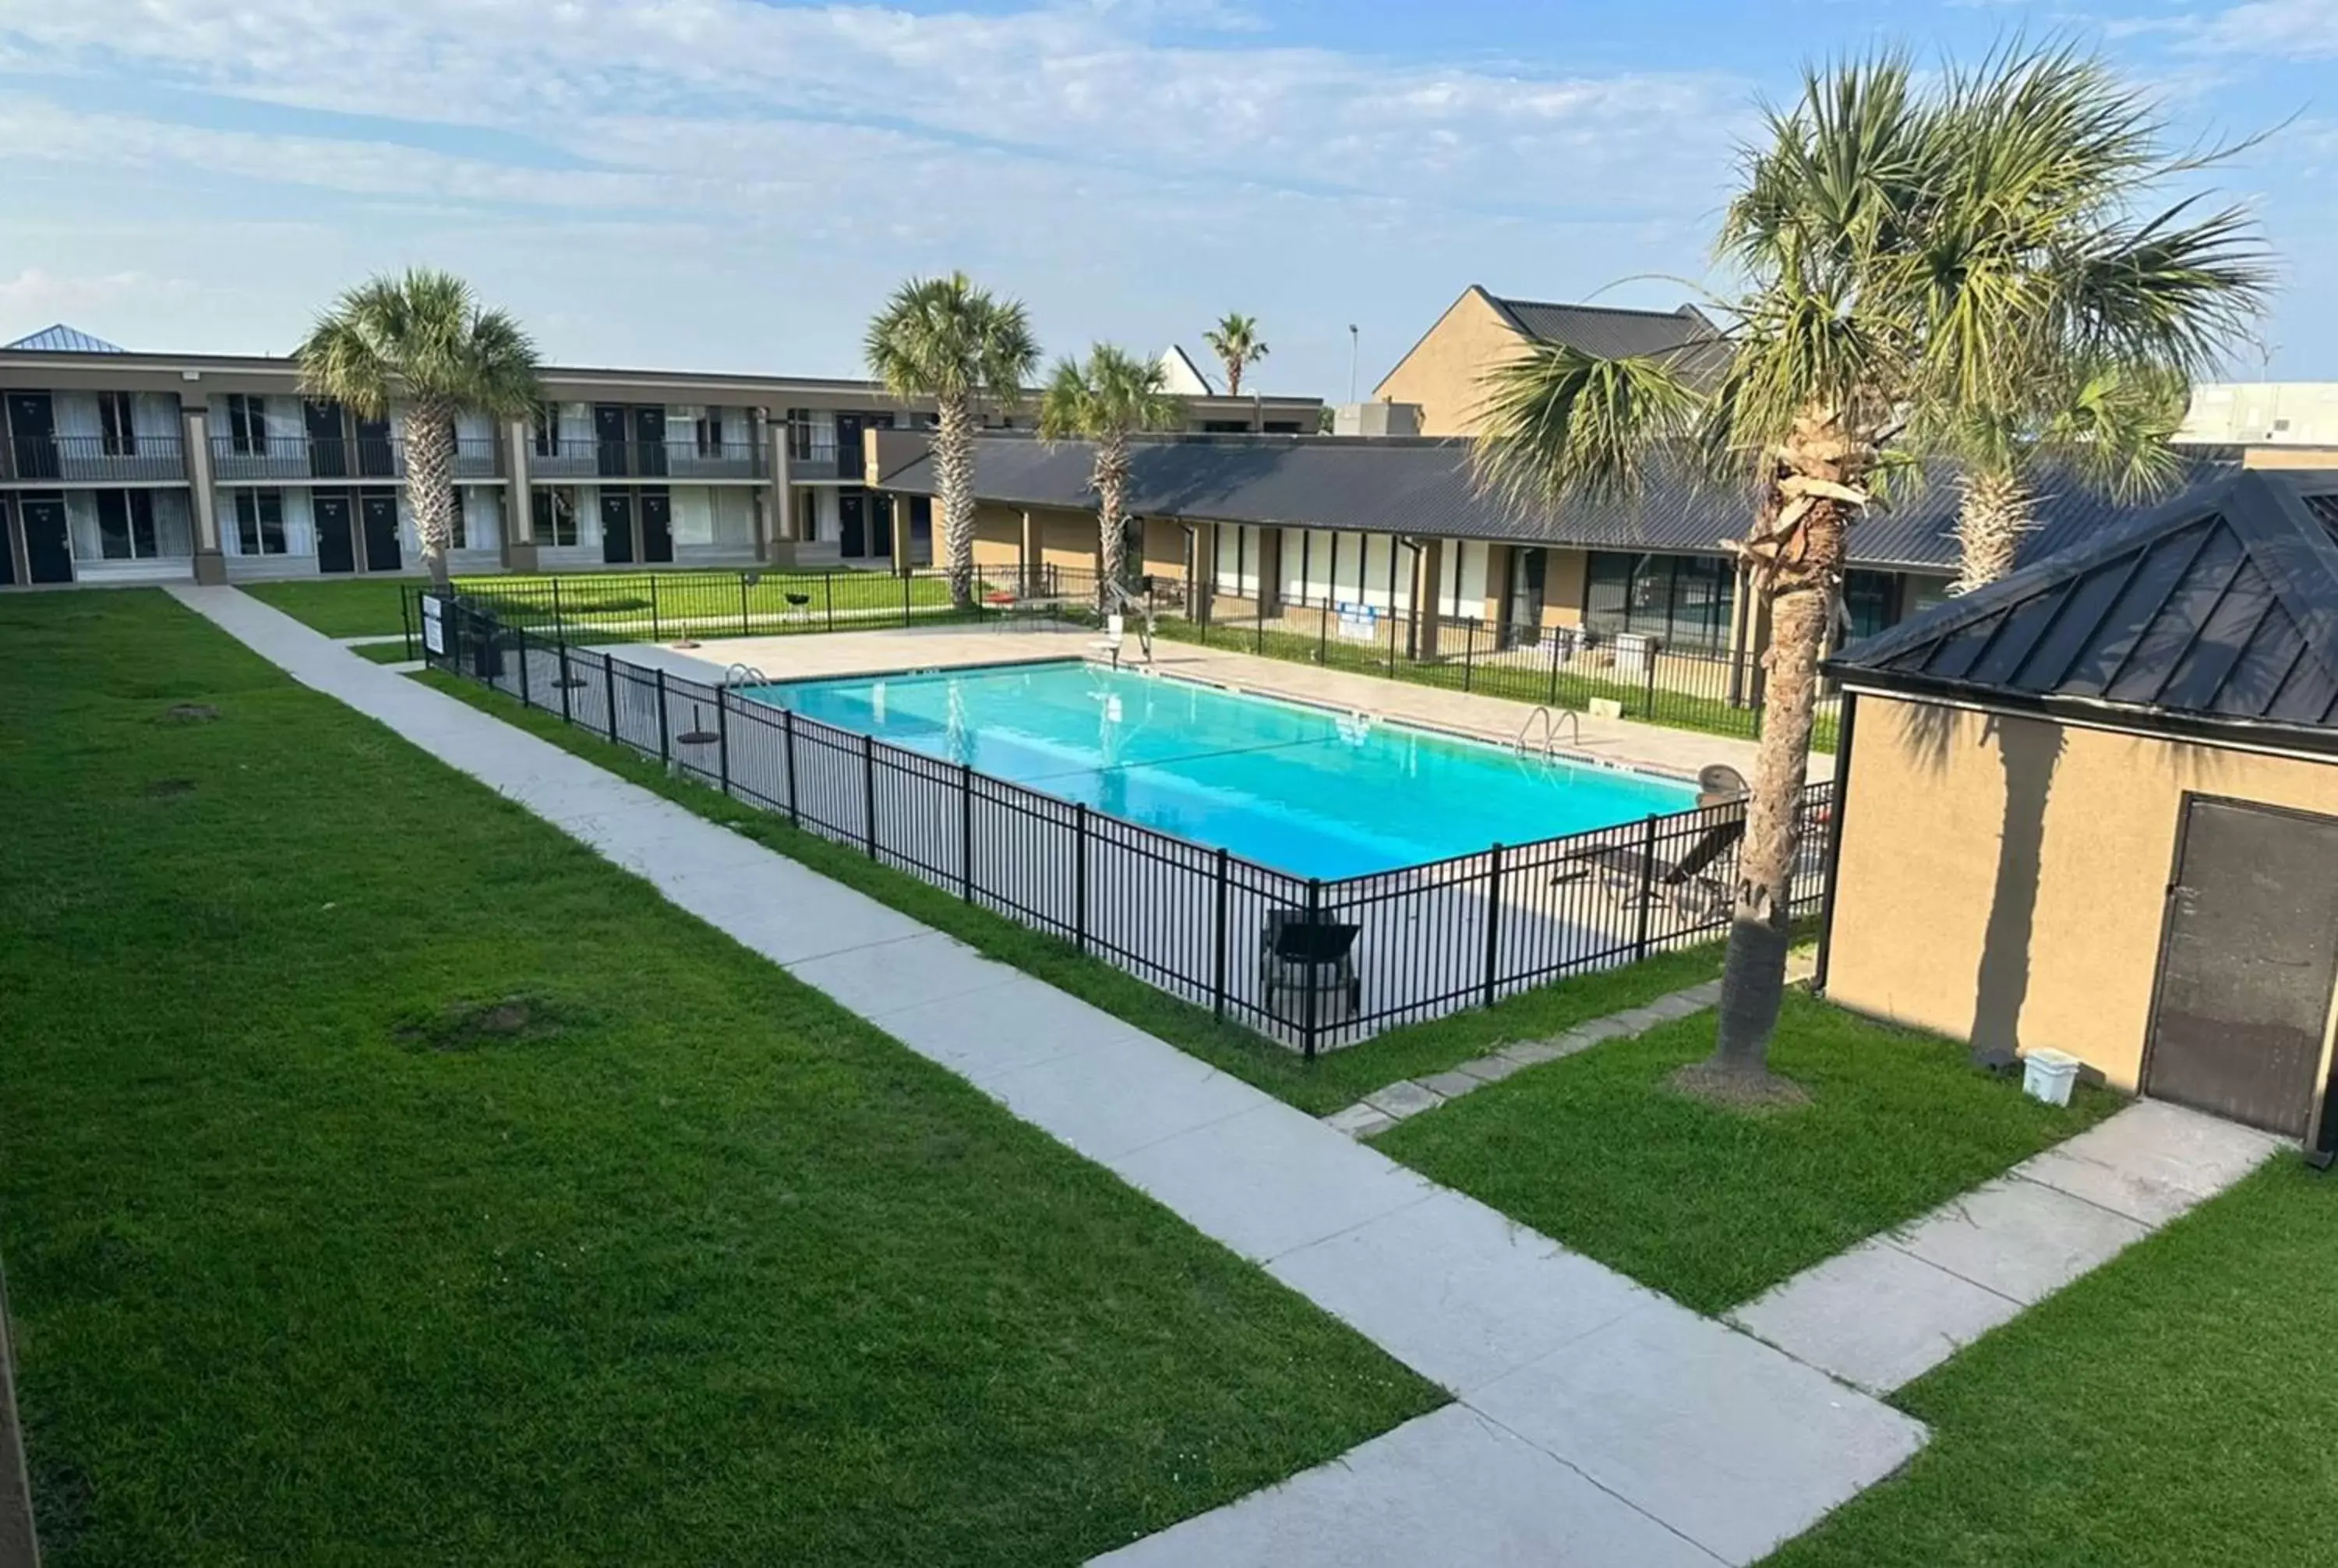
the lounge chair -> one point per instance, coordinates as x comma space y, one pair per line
1297, 955
1626, 873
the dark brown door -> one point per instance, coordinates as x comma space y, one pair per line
48, 552
377, 514
2250, 952
336, 547
657, 525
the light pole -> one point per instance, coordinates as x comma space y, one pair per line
1351, 361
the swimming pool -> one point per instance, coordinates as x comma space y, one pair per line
1309, 791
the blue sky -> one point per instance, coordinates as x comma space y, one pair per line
733, 184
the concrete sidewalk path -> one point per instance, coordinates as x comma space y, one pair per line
1597, 1422
1898, 1305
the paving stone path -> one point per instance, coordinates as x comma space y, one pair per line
1595, 1422
1898, 1305
1382, 1109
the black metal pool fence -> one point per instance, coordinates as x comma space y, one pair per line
1314, 963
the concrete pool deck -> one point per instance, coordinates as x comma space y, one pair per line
1496, 720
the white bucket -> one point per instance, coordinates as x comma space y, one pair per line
2048, 1075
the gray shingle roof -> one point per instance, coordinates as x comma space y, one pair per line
2221, 606
1424, 487
1614, 333
59, 338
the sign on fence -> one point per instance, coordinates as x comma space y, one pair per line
434, 625
1359, 623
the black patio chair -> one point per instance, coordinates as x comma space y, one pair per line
1296, 954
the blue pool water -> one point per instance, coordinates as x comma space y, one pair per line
1315, 793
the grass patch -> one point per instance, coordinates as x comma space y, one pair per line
2171, 1409
340, 607
1713, 1206
390, 1180
1333, 1079
386, 652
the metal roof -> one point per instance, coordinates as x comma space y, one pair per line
2221, 606
1423, 486
59, 338
1614, 334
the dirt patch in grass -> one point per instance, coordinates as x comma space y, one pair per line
1731, 1090
189, 713
170, 788
467, 1025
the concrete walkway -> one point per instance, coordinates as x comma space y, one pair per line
1596, 1422
1896, 1306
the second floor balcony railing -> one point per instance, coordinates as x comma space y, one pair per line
277, 459
582, 457
97, 459
814, 456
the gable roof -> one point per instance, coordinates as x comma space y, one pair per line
1181, 376
2221, 606
1423, 486
59, 338
1614, 333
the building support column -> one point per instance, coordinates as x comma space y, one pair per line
1428, 589
210, 560
897, 509
1270, 573
776, 531
519, 500
1741, 626
1202, 574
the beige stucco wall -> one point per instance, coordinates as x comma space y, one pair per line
1441, 372
1928, 826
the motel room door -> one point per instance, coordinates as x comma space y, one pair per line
852, 523
616, 526
377, 513
2248, 956
657, 525
335, 547
48, 548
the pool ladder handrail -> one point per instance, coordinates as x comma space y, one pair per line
1550, 718
744, 674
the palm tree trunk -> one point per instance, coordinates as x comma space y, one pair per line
430, 482
954, 476
1110, 479
1799, 568
1998, 510
1233, 377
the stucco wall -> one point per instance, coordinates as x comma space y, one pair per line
1441, 372
1947, 814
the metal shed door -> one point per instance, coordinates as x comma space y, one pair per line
2250, 955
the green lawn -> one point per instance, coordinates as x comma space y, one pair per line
1713, 1206
317, 1255
1333, 1079
2172, 1409
341, 607
387, 653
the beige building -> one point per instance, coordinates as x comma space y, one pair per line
1442, 373
126, 467
2262, 414
2094, 808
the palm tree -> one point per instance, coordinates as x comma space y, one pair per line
424, 339
2110, 433
1110, 397
1879, 309
2075, 152
947, 339
1236, 343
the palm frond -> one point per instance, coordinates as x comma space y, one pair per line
1556, 422
947, 337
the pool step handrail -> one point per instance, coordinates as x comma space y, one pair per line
1550, 718
744, 674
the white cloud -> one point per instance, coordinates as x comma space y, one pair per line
36, 292
2276, 29
737, 180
